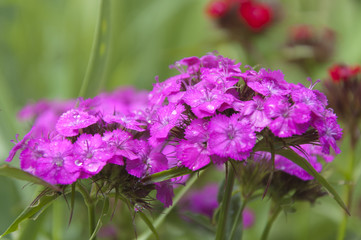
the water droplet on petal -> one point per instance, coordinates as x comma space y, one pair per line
210, 107
78, 162
93, 167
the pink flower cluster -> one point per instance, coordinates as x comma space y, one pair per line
210, 112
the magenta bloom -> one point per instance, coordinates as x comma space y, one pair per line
120, 143
254, 112
56, 163
70, 122
18, 145
314, 99
91, 153
193, 155
287, 119
165, 193
267, 83
193, 152
221, 79
230, 137
247, 218
149, 160
165, 119
45, 114
202, 201
205, 102
129, 121
329, 131
169, 87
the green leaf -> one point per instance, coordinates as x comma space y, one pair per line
166, 175
303, 163
8, 171
96, 69
102, 218
149, 224
72, 202
31, 212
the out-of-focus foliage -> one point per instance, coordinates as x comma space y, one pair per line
45, 47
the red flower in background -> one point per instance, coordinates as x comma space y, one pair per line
256, 15
217, 9
252, 14
340, 72
302, 33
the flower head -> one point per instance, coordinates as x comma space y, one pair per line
70, 122
230, 137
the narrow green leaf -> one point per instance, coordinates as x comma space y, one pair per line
100, 52
31, 212
8, 171
102, 217
166, 175
149, 223
303, 163
72, 202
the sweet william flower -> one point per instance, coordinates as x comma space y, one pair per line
202, 201
230, 137
18, 145
57, 163
165, 193
205, 102
91, 153
266, 82
329, 132
315, 100
150, 160
71, 121
121, 144
254, 112
287, 119
129, 121
33, 150
164, 120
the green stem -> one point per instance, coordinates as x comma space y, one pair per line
58, 228
221, 227
91, 218
100, 50
271, 219
176, 199
90, 203
238, 219
349, 194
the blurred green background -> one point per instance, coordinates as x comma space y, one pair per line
45, 46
